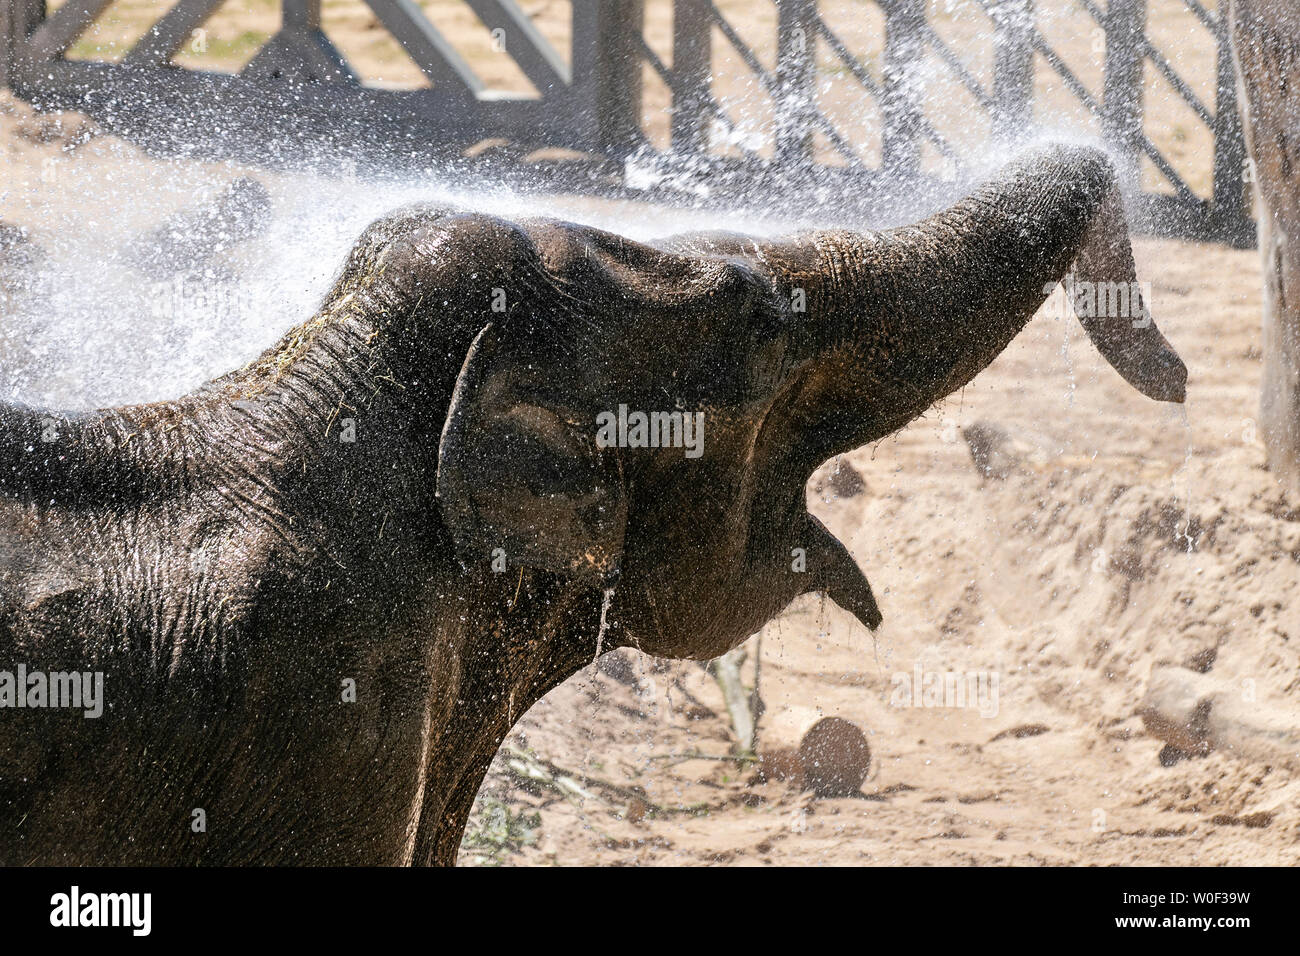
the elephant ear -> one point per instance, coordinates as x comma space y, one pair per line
518, 473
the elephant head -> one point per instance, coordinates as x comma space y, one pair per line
564, 446
497, 450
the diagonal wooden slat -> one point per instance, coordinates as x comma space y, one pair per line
869, 83
168, 35
741, 47
1167, 170
1177, 82
1094, 11
651, 57
1076, 85
669, 79
525, 44
1158, 60
851, 62
954, 62
1214, 21
53, 37
429, 49
770, 86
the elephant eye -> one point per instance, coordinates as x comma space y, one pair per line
547, 426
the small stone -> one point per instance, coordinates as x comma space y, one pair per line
835, 757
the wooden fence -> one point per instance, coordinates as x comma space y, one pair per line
299, 92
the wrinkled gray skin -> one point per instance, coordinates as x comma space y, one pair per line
228, 562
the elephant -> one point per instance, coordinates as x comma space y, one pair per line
317, 592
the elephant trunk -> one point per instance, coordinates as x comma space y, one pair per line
897, 320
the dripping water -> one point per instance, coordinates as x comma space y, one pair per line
606, 601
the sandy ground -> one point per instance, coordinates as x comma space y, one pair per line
1138, 534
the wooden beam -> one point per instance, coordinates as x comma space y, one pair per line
1013, 68
53, 37
169, 34
1266, 38
692, 66
525, 44
429, 49
796, 75
1121, 120
904, 48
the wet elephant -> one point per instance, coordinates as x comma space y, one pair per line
321, 588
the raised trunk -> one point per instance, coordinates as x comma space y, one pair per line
1266, 42
897, 320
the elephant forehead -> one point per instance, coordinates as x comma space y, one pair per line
638, 282
622, 316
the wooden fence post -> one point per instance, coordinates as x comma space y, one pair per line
1231, 217
17, 19
796, 74
299, 51
1122, 95
692, 64
606, 91
1013, 68
6, 40
904, 48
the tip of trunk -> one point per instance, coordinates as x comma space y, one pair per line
1113, 310
1162, 376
